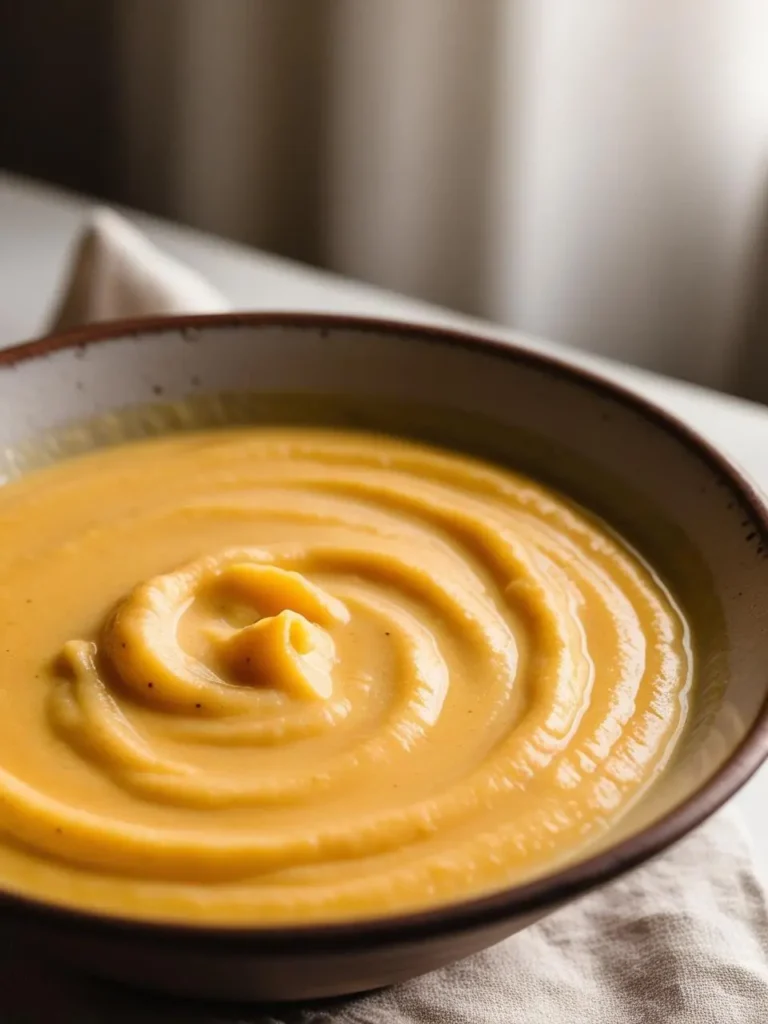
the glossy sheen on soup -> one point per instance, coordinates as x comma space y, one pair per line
264, 675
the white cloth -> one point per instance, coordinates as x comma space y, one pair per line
117, 272
683, 940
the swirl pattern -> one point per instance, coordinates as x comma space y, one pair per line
294, 675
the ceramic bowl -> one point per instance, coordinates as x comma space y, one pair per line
682, 504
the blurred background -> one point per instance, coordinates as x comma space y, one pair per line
593, 173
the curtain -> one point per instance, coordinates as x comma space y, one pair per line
592, 171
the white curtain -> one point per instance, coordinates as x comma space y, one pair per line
592, 171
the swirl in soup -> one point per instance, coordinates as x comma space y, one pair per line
277, 675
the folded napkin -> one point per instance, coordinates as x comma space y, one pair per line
115, 272
683, 940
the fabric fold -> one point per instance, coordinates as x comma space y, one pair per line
116, 272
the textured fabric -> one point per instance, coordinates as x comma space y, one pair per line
683, 940
116, 272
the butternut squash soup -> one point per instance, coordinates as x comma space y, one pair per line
289, 675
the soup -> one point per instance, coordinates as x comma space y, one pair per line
289, 675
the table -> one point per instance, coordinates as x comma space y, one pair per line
38, 224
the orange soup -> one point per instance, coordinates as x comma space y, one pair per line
286, 675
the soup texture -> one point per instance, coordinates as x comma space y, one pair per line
290, 675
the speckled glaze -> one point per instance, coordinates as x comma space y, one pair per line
686, 509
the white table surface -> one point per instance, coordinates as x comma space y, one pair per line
38, 225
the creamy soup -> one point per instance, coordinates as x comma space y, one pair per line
280, 675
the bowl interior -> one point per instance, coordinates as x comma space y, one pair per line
669, 495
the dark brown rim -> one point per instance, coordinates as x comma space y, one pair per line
541, 894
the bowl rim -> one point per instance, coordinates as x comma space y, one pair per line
541, 894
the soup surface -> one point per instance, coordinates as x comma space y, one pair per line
258, 675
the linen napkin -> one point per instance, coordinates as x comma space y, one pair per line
116, 272
683, 940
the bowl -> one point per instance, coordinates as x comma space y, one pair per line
682, 504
